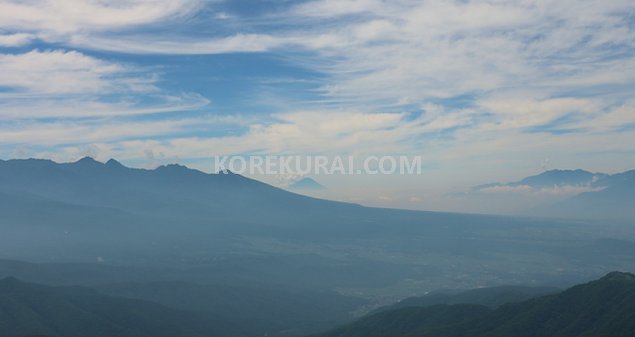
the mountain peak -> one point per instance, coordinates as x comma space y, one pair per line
172, 166
114, 163
560, 178
564, 172
619, 276
306, 183
173, 169
87, 161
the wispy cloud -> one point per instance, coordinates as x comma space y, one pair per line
58, 72
51, 19
69, 84
15, 40
238, 43
102, 130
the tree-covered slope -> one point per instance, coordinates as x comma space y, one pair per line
492, 297
602, 308
29, 309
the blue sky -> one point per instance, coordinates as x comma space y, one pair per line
483, 90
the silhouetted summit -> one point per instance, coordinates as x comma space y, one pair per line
617, 276
169, 192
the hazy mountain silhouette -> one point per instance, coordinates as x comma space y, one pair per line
563, 178
551, 178
176, 224
270, 309
29, 309
88, 182
585, 194
616, 200
306, 184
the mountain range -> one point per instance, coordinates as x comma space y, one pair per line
569, 194
192, 223
602, 308
235, 249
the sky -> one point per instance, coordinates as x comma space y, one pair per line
483, 91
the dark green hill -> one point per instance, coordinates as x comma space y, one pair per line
272, 311
412, 321
29, 309
602, 308
492, 297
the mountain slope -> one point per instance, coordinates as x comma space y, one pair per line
227, 229
412, 321
492, 297
551, 178
160, 192
602, 308
272, 311
614, 201
576, 194
88, 205
30, 309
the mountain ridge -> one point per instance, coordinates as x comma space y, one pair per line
575, 194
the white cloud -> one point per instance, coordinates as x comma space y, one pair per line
67, 132
57, 72
290, 133
556, 190
442, 49
335, 8
568, 190
621, 116
103, 130
507, 189
238, 43
54, 18
326, 132
59, 83
520, 112
15, 40
31, 107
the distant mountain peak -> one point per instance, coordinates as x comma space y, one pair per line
550, 179
172, 167
619, 276
88, 161
226, 171
306, 184
565, 171
114, 163
561, 177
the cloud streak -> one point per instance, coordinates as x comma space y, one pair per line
59, 72
51, 19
